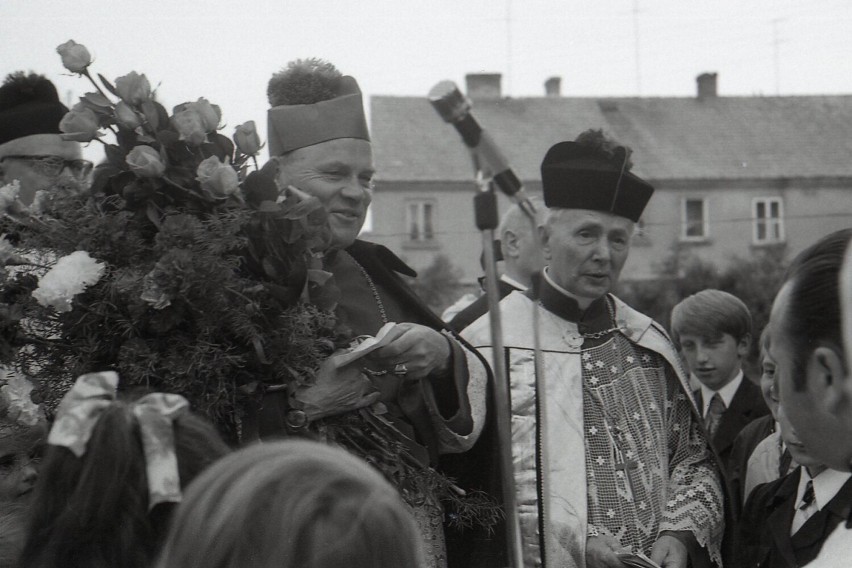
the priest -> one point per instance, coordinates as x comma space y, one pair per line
609, 454
431, 384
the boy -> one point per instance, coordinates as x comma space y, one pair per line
712, 329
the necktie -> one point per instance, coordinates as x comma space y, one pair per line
808, 540
714, 415
806, 508
808, 496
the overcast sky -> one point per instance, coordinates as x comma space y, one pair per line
226, 50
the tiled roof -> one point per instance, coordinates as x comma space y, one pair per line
672, 138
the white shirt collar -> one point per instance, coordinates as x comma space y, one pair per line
826, 485
512, 282
727, 393
556, 286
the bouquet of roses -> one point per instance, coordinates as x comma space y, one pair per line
179, 267
183, 269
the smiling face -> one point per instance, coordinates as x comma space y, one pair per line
586, 250
768, 388
714, 361
339, 173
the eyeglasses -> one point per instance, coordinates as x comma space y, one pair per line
52, 166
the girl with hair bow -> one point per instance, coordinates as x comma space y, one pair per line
111, 474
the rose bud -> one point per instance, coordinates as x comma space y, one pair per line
218, 180
79, 124
210, 114
247, 139
144, 161
75, 57
133, 88
126, 116
189, 124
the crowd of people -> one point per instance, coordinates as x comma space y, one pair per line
631, 444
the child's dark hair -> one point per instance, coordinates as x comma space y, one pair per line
92, 511
711, 313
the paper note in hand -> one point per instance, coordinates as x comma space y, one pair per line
637, 560
369, 344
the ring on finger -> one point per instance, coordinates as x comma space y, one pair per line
400, 369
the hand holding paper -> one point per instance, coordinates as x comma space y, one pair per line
417, 349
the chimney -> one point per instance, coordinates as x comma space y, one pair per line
483, 85
553, 87
706, 86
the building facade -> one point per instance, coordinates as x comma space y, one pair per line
732, 174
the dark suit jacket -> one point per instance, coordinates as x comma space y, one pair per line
763, 536
478, 308
746, 405
744, 444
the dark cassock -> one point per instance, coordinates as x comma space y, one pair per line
430, 382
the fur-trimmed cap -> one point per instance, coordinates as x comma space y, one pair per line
29, 104
591, 173
312, 103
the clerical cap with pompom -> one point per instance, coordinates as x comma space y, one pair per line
575, 176
29, 105
297, 126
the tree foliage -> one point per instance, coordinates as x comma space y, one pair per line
438, 284
754, 279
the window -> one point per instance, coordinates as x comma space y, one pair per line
694, 219
767, 215
420, 214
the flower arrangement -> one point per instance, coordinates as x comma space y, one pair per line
179, 267
183, 269
16, 405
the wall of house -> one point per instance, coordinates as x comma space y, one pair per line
811, 209
455, 232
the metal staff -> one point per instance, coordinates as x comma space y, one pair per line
491, 170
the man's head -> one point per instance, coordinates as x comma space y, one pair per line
519, 243
318, 135
805, 341
32, 150
713, 331
594, 202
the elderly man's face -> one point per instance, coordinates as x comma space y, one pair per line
18, 161
586, 250
339, 173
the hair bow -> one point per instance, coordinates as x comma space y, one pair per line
81, 408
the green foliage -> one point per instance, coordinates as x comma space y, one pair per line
754, 279
438, 284
186, 304
210, 287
